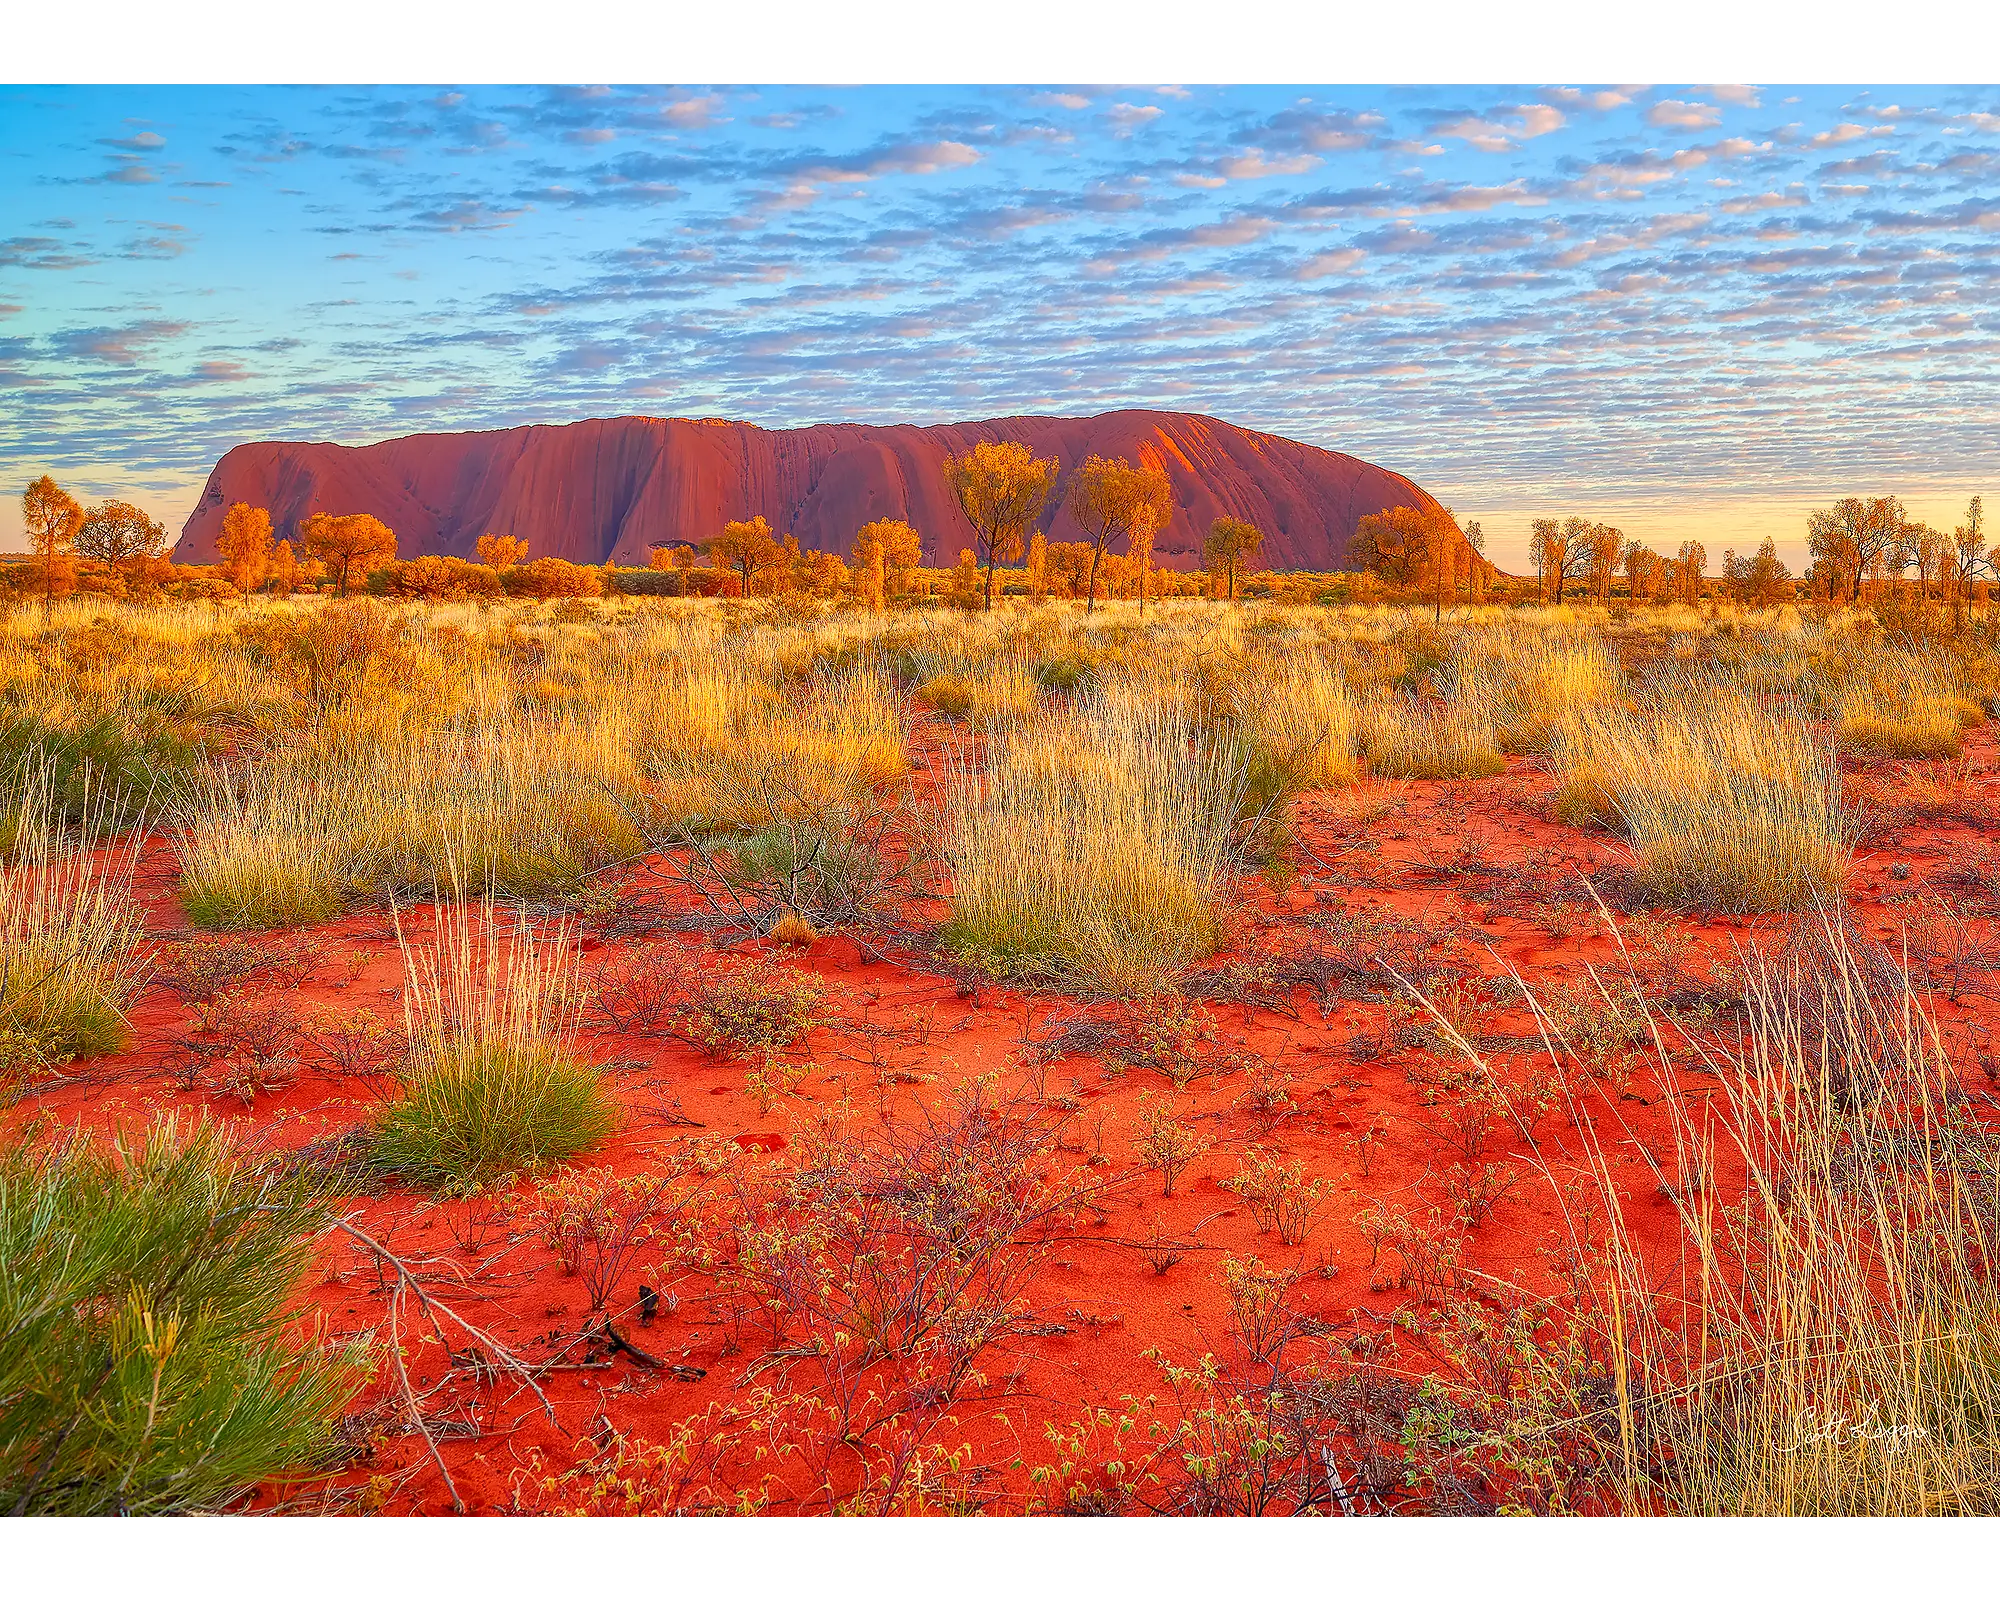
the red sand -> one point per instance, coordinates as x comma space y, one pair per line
1099, 1317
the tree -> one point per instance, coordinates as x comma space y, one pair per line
1038, 567
1002, 489
1602, 546
1232, 544
1139, 544
1478, 567
53, 520
870, 576
1416, 547
1565, 550
501, 550
1112, 499
115, 532
1643, 570
902, 550
1855, 535
1693, 562
245, 545
1969, 547
284, 568
745, 548
1759, 580
351, 546
1066, 563
965, 583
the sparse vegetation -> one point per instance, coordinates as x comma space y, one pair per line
494, 1084
938, 956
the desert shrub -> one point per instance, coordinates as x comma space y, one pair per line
748, 1012
103, 767
1278, 1194
436, 578
494, 1085
550, 578
328, 653
1092, 845
200, 968
69, 936
146, 1311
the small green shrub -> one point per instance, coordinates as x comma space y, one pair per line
495, 1085
103, 770
749, 1011
147, 1363
475, 1118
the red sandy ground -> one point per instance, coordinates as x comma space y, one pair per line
1098, 1307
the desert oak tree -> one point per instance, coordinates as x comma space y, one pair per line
351, 546
1116, 500
1232, 544
1002, 489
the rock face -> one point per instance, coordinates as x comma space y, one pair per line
608, 490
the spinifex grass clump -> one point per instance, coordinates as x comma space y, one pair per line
1910, 705
147, 1363
1410, 737
267, 849
728, 745
1727, 802
1535, 684
519, 806
1092, 845
69, 935
1303, 722
1820, 1340
495, 1084
95, 767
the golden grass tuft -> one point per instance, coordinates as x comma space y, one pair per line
69, 938
1823, 1342
1727, 802
1092, 845
495, 1084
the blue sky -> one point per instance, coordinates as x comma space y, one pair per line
1689, 309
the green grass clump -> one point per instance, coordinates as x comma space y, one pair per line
469, 1119
147, 1363
104, 769
495, 1084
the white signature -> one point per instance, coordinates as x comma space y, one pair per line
1893, 1437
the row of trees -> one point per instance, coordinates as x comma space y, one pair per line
1861, 540
123, 541
1004, 490
1856, 541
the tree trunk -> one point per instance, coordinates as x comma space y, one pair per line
990, 551
1096, 555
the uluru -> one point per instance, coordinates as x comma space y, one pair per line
608, 490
